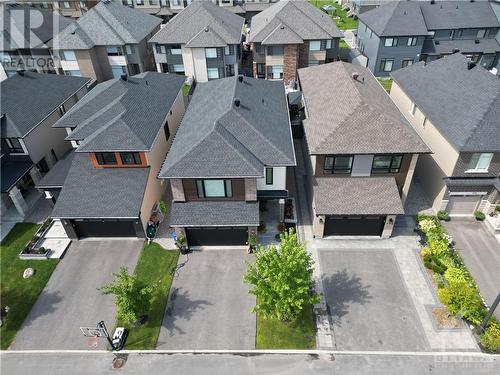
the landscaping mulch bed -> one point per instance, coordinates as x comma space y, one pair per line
444, 319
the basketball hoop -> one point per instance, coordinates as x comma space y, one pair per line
93, 342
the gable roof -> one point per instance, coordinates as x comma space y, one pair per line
218, 139
464, 104
202, 24
27, 99
106, 24
346, 116
119, 115
395, 19
292, 22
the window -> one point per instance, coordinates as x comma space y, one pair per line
386, 65
211, 53
406, 62
139, 2
175, 49
118, 70
276, 72
130, 158
386, 163
424, 123
269, 176
328, 44
153, 2
275, 50
214, 188
371, 34
167, 131
62, 111
481, 33
391, 42
66, 4
315, 45
366, 28
68, 55
213, 73
14, 145
161, 49
480, 162
313, 62
229, 50
413, 108
105, 158
74, 73
412, 41
338, 164
178, 68
114, 51
129, 49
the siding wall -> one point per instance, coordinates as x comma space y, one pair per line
463, 164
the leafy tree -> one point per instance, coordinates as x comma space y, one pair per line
282, 278
132, 298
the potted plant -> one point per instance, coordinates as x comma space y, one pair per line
252, 243
181, 244
479, 215
443, 215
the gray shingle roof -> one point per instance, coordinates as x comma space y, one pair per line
107, 24
217, 139
357, 196
292, 22
444, 47
347, 116
57, 175
120, 115
463, 104
100, 193
198, 214
202, 24
13, 168
395, 19
28, 99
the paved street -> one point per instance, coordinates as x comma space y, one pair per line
222, 364
71, 298
209, 305
481, 253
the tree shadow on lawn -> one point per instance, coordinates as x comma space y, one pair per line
342, 290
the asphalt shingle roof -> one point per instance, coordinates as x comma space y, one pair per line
202, 24
13, 168
119, 115
57, 175
218, 139
357, 196
292, 22
26, 100
464, 104
106, 24
198, 214
90, 192
445, 47
348, 116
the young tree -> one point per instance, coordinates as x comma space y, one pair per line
132, 298
282, 278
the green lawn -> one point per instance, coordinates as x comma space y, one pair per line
155, 264
343, 44
386, 83
18, 293
275, 334
344, 22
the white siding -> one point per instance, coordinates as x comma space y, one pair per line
362, 165
279, 180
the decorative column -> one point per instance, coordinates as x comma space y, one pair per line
409, 177
18, 200
35, 175
282, 210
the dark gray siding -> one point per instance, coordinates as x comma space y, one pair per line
463, 164
398, 53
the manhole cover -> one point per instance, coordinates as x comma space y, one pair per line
119, 363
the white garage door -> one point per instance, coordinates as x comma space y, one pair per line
460, 205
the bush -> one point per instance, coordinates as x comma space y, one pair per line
443, 215
457, 275
479, 215
490, 339
433, 263
427, 225
461, 299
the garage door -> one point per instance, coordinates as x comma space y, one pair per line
217, 236
104, 228
354, 225
463, 205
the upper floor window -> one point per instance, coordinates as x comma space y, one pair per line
412, 41
275, 50
106, 158
65, 4
386, 65
130, 158
74, 73
14, 145
68, 55
391, 42
211, 53
114, 51
161, 49
269, 176
275, 71
129, 49
213, 73
386, 163
214, 188
328, 44
315, 45
338, 164
480, 162
139, 2
406, 62
176, 68
175, 49
481, 33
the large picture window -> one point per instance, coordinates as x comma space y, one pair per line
14, 145
211, 53
386, 163
480, 162
214, 188
338, 164
105, 158
386, 65
130, 158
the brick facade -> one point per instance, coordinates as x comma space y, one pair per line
290, 61
303, 61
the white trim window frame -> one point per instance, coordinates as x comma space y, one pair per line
480, 162
391, 42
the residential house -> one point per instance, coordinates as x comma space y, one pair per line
232, 151
30, 104
67, 9
108, 41
122, 131
455, 107
23, 47
362, 151
203, 41
290, 35
399, 34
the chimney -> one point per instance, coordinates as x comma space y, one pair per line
237, 102
470, 65
124, 77
355, 76
240, 77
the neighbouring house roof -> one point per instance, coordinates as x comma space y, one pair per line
357, 196
443, 47
54, 179
462, 103
256, 7
27, 99
13, 168
202, 24
106, 24
396, 18
292, 22
346, 115
17, 32
218, 139
492, 181
206, 213
122, 115
92, 193
236, 9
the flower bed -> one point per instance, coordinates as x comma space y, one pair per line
33, 250
456, 288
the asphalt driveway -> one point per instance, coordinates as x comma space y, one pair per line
369, 305
481, 253
71, 298
209, 306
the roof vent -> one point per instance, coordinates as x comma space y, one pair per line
206, 29
456, 7
282, 27
405, 13
476, 41
240, 77
21, 72
470, 65
237, 102
472, 1
436, 42
355, 76
455, 50
124, 77
433, 1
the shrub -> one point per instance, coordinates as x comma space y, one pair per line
438, 248
443, 215
427, 224
457, 275
490, 339
425, 252
434, 264
463, 300
479, 215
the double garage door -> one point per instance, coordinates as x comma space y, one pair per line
104, 228
354, 225
463, 205
217, 236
